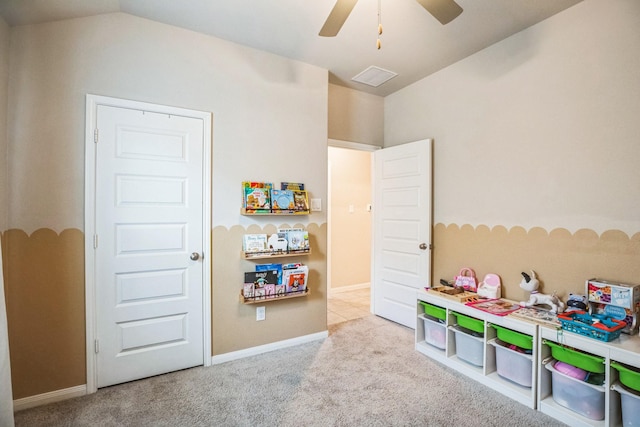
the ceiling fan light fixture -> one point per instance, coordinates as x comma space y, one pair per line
374, 76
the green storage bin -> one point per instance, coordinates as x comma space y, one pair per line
475, 325
434, 311
576, 358
512, 337
628, 376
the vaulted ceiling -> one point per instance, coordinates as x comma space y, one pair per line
413, 43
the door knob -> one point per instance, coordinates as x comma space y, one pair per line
195, 256
423, 246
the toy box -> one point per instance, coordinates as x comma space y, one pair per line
469, 348
434, 332
513, 365
630, 401
579, 396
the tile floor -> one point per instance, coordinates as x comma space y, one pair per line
348, 305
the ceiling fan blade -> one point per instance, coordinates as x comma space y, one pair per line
444, 11
337, 17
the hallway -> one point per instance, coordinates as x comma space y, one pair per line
348, 305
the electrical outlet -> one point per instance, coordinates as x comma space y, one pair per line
260, 313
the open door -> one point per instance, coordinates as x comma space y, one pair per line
402, 224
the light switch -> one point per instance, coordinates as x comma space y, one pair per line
316, 205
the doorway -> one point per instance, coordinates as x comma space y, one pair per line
147, 215
349, 229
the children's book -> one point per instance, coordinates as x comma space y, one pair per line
277, 242
271, 267
257, 196
295, 279
270, 291
291, 186
300, 201
282, 201
253, 243
260, 280
298, 240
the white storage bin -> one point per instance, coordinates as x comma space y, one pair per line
630, 400
435, 333
469, 348
512, 365
580, 397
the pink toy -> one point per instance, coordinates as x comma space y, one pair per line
571, 371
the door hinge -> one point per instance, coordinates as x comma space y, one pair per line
95, 241
96, 345
95, 135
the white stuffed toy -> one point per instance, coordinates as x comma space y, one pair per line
531, 284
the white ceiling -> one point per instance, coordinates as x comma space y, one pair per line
414, 43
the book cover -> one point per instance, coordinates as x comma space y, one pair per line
280, 290
260, 279
247, 290
271, 267
282, 201
254, 243
298, 240
270, 291
301, 201
257, 196
278, 242
295, 279
291, 186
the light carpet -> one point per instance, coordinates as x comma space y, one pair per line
366, 373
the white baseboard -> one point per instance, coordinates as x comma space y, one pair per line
349, 288
81, 390
50, 397
240, 354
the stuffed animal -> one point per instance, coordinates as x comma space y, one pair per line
531, 284
576, 302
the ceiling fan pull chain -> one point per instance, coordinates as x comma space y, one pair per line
379, 43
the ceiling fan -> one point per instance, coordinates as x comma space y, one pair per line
444, 11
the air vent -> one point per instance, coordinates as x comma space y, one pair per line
374, 76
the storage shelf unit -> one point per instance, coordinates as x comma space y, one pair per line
488, 373
269, 255
624, 350
243, 211
244, 300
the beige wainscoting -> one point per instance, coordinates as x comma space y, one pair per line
44, 286
561, 259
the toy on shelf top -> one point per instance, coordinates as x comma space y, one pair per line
531, 284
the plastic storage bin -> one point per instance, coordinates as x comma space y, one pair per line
630, 377
580, 397
512, 365
512, 337
576, 358
630, 401
434, 310
469, 348
476, 325
434, 332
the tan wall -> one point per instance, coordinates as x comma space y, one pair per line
355, 116
537, 135
263, 107
284, 319
562, 260
350, 231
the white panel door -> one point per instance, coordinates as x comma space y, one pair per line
401, 229
149, 227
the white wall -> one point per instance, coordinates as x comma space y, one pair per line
6, 395
540, 129
265, 109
